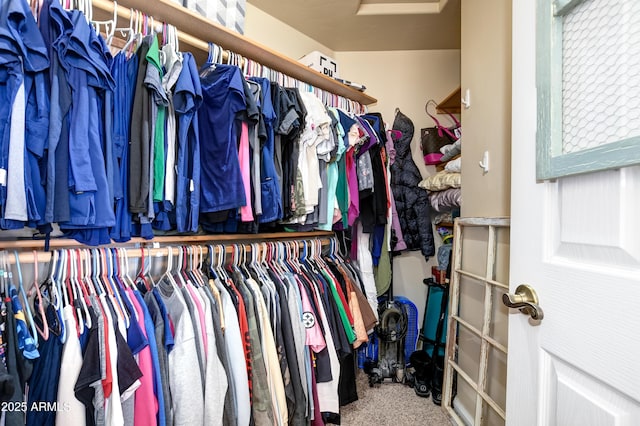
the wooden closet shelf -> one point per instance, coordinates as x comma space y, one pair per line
451, 103
195, 31
61, 243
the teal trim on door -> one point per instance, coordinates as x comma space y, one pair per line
552, 161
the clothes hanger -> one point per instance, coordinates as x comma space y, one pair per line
244, 264
174, 33
255, 263
140, 281
52, 293
199, 264
92, 273
104, 272
123, 268
64, 272
123, 281
82, 287
135, 33
177, 272
279, 257
321, 258
84, 258
109, 25
124, 31
221, 251
294, 254
231, 266
73, 292
62, 297
308, 263
211, 270
113, 294
44, 332
276, 260
167, 274
286, 258
192, 266
187, 266
83, 295
25, 300
95, 271
212, 61
237, 264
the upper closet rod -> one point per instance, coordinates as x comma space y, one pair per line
201, 31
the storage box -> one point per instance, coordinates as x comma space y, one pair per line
321, 63
228, 13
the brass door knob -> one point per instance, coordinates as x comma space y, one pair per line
526, 300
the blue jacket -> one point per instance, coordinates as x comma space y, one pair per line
24, 59
86, 63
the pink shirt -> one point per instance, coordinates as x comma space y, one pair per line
146, 403
246, 212
314, 338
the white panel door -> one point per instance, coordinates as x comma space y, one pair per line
576, 241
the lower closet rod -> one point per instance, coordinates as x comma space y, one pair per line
28, 257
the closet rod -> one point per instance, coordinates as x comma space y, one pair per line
201, 31
27, 257
173, 239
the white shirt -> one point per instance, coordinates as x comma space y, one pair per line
70, 366
236, 357
16, 203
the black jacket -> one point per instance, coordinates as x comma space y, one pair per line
412, 202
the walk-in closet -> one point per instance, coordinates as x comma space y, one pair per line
319, 212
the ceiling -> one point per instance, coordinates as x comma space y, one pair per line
365, 25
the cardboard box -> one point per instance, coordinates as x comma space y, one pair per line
321, 63
230, 13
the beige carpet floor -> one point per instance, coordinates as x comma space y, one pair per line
392, 404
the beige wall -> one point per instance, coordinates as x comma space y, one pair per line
406, 80
486, 72
277, 35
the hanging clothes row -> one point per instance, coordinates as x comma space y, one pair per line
251, 68
146, 142
264, 335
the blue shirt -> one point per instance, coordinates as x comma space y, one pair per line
187, 99
124, 72
223, 99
